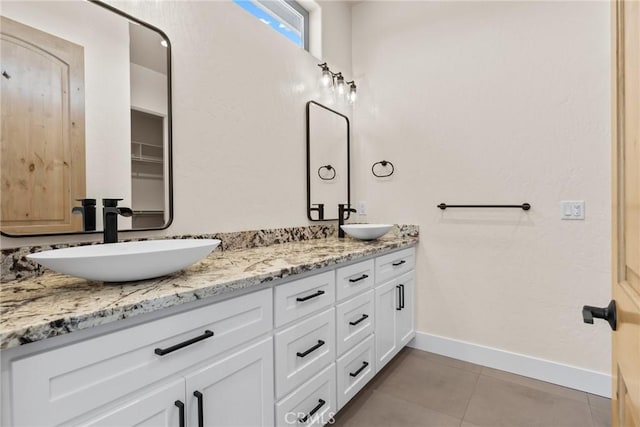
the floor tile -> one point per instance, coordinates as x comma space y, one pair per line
496, 402
378, 409
599, 401
430, 384
454, 363
601, 416
577, 395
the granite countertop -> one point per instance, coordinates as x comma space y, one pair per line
53, 304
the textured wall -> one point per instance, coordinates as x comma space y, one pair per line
501, 102
239, 94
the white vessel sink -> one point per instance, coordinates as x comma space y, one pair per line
122, 262
366, 231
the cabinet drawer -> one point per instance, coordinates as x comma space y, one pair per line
355, 369
354, 321
354, 279
71, 380
394, 264
301, 297
313, 404
303, 350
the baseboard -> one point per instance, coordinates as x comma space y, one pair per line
540, 369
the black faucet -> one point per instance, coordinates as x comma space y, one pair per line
341, 210
88, 212
320, 209
110, 212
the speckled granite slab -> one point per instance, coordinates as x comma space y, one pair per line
15, 265
53, 304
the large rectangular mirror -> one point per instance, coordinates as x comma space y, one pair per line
328, 168
86, 114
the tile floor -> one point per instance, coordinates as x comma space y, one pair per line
427, 390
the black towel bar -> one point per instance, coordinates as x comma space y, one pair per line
524, 206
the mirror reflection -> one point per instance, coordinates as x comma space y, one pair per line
328, 173
85, 116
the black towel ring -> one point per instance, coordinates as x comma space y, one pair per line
330, 169
384, 164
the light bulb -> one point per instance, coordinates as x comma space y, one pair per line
341, 87
327, 79
352, 92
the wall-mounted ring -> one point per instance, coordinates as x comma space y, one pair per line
328, 168
384, 164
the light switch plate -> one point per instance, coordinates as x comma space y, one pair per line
572, 209
361, 207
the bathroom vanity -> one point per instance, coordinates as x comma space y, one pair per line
279, 335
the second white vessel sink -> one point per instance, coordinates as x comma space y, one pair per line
366, 231
126, 261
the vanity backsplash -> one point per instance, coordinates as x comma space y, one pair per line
15, 265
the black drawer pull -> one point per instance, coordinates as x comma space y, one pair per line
399, 306
162, 351
364, 316
308, 297
402, 296
360, 369
314, 348
395, 264
198, 396
313, 411
364, 276
180, 406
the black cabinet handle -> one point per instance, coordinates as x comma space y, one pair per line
162, 351
314, 348
395, 264
198, 396
308, 297
313, 411
360, 369
402, 296
364, 276
180, 406
399, 306
364, 316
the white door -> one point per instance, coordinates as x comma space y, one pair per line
387, 303
159, 407
234, 391
405, 325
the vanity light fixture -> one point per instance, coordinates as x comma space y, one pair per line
332, 80
327, 76
341, 87
352, 95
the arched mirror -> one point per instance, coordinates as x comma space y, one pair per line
328, 169
86, 115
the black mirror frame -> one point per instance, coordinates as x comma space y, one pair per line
169, 135
309, 172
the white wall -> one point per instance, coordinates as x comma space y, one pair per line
493, 102
103, 36
239, 94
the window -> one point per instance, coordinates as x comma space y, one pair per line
286, 17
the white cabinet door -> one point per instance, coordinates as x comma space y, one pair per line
234, 391
405, 316
156, 408
386, 307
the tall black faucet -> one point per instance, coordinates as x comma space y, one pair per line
341, 210
88, 212
110, 212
